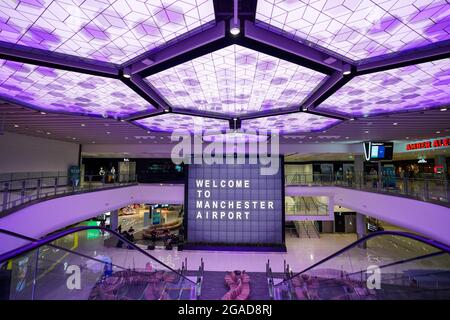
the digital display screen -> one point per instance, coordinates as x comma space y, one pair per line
234, 205
378, 150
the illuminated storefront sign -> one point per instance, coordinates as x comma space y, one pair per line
436, 143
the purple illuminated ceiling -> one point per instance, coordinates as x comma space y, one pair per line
290, 123
425, 85
112, 31
235, 81
64, 91
169, 122
359, 29
237, 137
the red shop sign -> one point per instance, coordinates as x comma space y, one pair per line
436, 143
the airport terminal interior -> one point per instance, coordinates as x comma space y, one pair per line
224, 150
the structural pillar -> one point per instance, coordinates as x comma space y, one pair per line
359, 169
114, 219
361, 228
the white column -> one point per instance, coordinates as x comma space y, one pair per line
361, 228
114, 219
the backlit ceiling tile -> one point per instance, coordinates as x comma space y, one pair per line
290, 123
109, 30
421, 86
57, 90
235, 81
359, 29
170, 122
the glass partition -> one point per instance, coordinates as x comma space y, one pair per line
90, 263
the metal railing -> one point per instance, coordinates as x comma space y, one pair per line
431, 189
16, 191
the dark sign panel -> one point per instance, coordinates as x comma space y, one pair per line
234, 205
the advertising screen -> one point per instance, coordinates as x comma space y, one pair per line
378, 150
234, 205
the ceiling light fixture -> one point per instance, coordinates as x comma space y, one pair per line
330, 60
443, 109
127, 72
395, 123
16, 126
148, 61
83, 125
235, 27
42, 112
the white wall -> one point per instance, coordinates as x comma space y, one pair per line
422, 217
21, 153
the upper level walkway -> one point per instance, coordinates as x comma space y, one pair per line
426, 212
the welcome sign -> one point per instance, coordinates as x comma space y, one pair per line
234, 205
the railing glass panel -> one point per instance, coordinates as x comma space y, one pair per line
382, 266
89, 264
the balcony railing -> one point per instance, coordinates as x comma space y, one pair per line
425, 189
20, 189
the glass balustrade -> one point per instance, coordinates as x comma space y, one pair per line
89, 263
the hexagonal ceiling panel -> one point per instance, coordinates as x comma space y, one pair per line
416, 87
290, 123
112, 31
64, 91
359, 29
235, 81
169, 122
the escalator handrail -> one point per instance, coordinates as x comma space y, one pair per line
35, 243
427, 241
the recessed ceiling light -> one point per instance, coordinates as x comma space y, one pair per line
16, 126
74, 138
148, 132
235, 27
48, 132
310, 138
443, 109
234, 119
127, 73
352, 119
107, 132
42, 112
121, 120
366, 115
83, 125
407, 138
366, 131
438, 132
346, 137
395, 123
346, 69
166, 110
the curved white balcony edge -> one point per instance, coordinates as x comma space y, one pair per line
48, 216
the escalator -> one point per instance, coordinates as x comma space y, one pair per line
385, 265
88, 263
